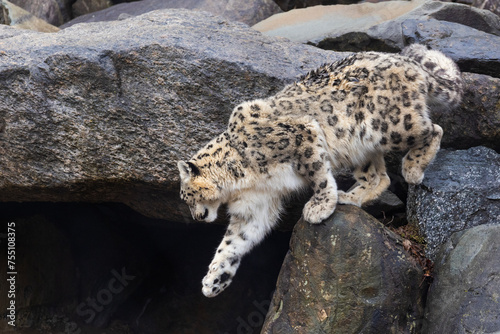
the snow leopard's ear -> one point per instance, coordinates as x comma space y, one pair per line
187, 169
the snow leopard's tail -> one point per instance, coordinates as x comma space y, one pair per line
445, 86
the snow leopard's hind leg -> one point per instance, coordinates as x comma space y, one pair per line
419, 157
371, 181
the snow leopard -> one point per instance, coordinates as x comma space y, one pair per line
342, 116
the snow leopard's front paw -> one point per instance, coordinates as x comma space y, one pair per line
214, 283
317, 210
219, 277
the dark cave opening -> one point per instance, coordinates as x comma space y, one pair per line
88, 268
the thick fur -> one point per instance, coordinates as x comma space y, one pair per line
346, 115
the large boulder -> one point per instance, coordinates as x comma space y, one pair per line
464, 297
470, 36
249, 12
461, 189
103, 111
349, 274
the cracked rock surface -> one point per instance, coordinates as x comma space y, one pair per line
461, 189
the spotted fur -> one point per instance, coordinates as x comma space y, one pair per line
345, 115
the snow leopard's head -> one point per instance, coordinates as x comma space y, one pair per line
199, 192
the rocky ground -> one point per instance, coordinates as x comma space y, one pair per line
94, 116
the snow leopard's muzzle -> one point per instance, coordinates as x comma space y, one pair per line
203, 212
198, 215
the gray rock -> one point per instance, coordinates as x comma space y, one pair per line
475, 18
349, 274
493, 6
473, 51
461, 189
249, 12
464, 295
103, 111
17, 17
53, 12
477, 120
82, 7
388, 202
